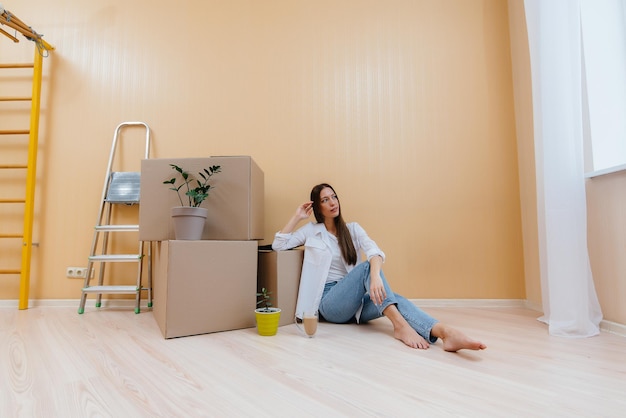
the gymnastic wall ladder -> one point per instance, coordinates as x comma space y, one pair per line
29, 166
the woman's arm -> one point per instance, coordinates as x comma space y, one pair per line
302, 212
364, 242
286, 239
376, 258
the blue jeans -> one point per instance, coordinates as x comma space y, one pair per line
341, 302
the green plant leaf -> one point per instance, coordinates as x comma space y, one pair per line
200, 192
264, 301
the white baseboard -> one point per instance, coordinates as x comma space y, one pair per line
613, 327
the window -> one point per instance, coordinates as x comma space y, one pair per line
604, 85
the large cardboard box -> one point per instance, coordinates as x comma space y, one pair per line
235, 205
204, 286
279, 272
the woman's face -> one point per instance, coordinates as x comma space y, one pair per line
329, 203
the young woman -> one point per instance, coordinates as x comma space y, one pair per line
343, 289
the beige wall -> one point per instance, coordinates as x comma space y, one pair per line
606, 210
520, 56
406, 107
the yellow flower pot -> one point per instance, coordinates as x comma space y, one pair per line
267, 321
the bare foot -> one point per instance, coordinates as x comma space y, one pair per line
408, 336
403, 331
454, 340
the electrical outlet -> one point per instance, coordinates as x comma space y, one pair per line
76, 272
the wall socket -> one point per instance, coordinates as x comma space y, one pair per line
77, 272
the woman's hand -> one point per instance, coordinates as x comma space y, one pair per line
304, 210
377, 289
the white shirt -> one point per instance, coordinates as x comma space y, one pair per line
318, 258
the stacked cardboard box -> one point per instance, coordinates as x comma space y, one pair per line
207, 285
279, 272
235, 204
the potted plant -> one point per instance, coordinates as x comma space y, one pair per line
189, 217
267, 317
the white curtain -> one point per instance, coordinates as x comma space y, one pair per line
570, 304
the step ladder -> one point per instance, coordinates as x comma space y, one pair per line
28, 167
120, 188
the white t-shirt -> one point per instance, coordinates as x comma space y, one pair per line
337, 266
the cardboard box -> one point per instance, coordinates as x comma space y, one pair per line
235, 205
204, 286
279, 272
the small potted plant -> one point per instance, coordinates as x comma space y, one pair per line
267, 317
189, 217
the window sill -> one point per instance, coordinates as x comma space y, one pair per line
605, 171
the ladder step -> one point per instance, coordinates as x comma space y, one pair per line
124, 187
17, 65
128, 290
13, 166
9, 235
116, 257
15, 99
12, 200
118, 228
10, 271
14, 132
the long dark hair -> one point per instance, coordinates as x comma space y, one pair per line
343, 234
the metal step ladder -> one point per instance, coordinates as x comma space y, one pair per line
120, 188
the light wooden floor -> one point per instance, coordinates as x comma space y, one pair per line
114, 363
